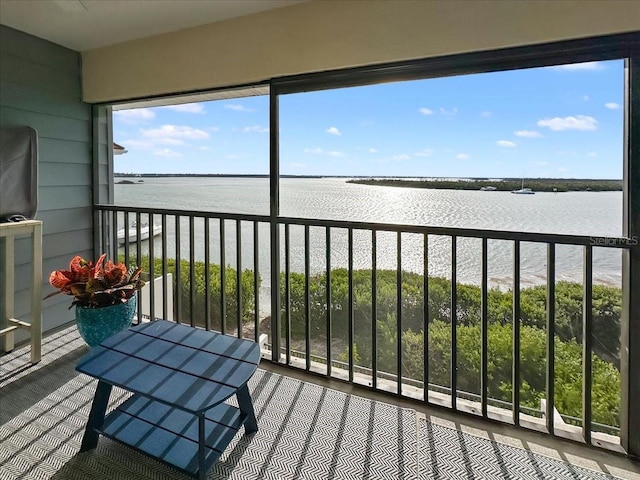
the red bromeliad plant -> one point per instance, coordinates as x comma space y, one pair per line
96, 285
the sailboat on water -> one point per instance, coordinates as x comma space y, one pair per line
523, 191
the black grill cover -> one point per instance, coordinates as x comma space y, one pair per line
18, 172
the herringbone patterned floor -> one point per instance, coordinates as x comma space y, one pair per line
305, 432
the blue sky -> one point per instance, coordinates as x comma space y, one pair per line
546, 122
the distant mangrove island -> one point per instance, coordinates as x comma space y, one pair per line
502, 185
489, 184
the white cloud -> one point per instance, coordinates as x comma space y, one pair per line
505, 143
187, 108
444, 111
585, 98
579, 122
542, 163
486, 114
527, 133
373, 150
333, 131
612, 105
315, 151
592, 154
238, 108
462, 156
256, 128
401, 157
426, 111
174, 131
423, 153
335, 153
213, 129
138, 115
580, 66
165, 152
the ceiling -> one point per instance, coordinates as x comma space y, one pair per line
87, 24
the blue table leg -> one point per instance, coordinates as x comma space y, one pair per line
246, 407
202, 470
96, 416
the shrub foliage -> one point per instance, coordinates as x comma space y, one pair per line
533, 312
467, 318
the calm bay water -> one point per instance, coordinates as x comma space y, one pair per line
577, 213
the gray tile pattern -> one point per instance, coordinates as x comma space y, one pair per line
450, 454
305, 432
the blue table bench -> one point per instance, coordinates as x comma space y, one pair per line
180, 378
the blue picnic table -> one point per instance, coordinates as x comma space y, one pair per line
179, 377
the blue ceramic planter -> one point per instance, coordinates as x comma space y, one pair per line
97, 324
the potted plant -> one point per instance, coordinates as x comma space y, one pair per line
104, 295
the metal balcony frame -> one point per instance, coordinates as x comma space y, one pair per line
621, 46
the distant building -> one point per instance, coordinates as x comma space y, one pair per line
118, 149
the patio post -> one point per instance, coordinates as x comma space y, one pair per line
630, 335
274, 189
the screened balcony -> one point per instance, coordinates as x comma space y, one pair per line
367, 371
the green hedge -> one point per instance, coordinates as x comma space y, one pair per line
182, 291
568, 368
607, 306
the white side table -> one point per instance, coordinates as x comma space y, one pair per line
8, 324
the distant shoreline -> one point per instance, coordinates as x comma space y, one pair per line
226, 175
502, 185
499, 184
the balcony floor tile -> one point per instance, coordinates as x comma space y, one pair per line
306, 431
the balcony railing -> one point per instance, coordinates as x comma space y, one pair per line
230, 275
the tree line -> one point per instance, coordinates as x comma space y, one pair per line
506, 185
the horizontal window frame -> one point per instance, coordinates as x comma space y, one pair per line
601, 48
